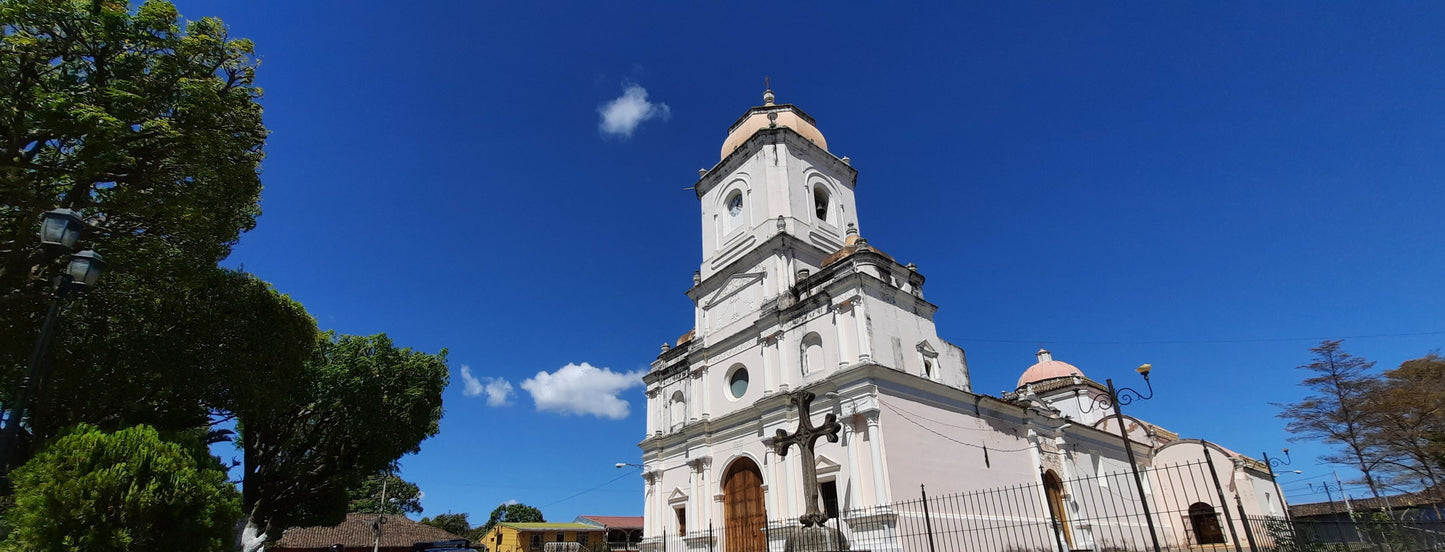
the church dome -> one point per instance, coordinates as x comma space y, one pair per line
767, 115
1047, 368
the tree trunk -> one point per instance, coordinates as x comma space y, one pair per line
250, 537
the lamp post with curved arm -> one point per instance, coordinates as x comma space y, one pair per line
1270, 464
1115, 399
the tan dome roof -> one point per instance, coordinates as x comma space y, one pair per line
769, 114
1047, 368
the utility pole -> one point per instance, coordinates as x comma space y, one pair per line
1344, 496
380, 513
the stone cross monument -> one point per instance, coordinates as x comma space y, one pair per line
812, 536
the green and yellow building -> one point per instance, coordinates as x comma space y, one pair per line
535, 537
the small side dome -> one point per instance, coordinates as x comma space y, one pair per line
1047, 368
767, 115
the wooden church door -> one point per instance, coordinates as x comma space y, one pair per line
743, 510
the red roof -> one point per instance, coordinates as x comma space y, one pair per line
397, 532
616, 522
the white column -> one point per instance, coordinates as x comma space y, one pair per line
652, 412
845, 349
696, 501
787, 371
771, 486
851, 440
860, 322
704, 470
769, 344
875, 449
649, 504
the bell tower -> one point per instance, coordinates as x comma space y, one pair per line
775, 177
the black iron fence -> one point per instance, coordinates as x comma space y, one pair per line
1184, 507
1375, 531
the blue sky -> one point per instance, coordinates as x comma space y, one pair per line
1211, 188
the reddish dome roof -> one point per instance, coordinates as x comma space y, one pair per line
1047, 368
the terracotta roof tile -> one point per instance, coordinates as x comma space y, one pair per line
397, 531
616, 522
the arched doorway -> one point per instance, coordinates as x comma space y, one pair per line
1054, 488
744, 514
1205, 523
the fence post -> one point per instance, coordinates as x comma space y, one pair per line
711, 539
1223, 504
927, 524
1248, 533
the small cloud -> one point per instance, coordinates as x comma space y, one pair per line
498, 390
473, 385
511, 502
622, 115
583, 389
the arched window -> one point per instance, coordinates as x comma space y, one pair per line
812, 353
822, 203
676, 410
1205, 523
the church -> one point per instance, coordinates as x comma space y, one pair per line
791, 297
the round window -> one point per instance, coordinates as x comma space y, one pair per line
735, 204
738, 383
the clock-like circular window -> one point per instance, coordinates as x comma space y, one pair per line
735, 204
738, 382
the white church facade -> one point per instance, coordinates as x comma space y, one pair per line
790, 296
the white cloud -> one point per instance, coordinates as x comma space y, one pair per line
511, 502
473, 385
622, 115
498, 390
583, 389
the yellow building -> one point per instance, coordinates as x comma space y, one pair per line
543, 537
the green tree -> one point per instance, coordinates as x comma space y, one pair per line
402, 496
1337, 409
455, 524
153, 132
514, 512
363, 403
123, 491
217, 349
1410, 408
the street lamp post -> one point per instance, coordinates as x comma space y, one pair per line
1270, 464
60, 229
1115, 399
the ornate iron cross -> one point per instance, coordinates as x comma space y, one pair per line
805, 437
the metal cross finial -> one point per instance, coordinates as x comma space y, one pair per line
767, 82
805, 437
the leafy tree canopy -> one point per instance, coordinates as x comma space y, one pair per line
455, 524
402, 496
1409, 404
153, 132
123, 491
364, 403
515, 512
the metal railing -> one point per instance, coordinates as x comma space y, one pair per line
1191, 510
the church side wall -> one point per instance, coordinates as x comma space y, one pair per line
942, 448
